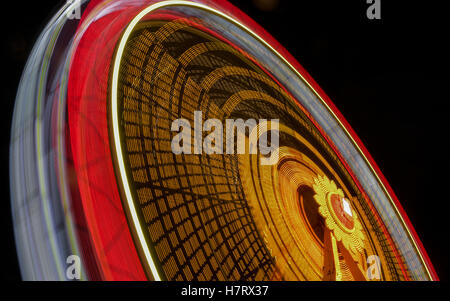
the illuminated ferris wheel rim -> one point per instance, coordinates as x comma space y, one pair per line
305, 78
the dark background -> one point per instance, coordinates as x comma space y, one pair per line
388, 77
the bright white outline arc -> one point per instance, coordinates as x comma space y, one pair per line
115, 121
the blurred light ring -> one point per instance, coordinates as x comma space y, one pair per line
112, 246
37, 218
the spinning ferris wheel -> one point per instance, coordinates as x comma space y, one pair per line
94, 174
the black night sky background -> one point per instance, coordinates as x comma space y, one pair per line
388, 77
